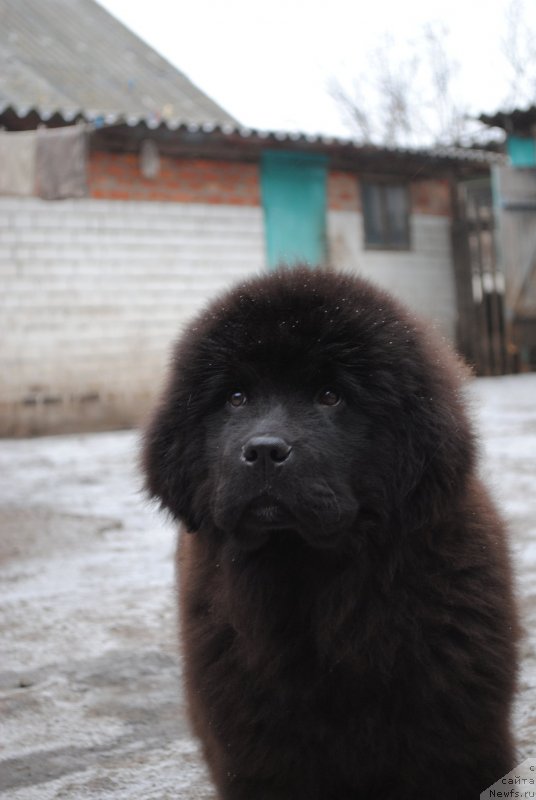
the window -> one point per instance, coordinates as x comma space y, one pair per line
386, 216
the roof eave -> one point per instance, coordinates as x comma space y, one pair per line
124, 132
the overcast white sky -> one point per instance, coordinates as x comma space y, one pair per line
269, 63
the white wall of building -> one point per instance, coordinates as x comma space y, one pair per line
92, 294
422, 277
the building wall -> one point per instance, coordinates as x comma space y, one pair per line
93, 292
117, 176
422, 277
515, 218
430, 197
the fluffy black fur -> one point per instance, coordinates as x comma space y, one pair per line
348, 623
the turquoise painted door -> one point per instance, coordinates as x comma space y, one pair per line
293, 189
522, 151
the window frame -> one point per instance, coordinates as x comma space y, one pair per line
383, 184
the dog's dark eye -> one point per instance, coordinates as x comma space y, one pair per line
237, 399
328, 397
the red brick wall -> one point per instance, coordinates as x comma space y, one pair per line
117, 176
343, 191
431, 197
427, 196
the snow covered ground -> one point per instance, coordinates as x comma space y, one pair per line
90, 701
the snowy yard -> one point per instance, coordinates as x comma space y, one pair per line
89, 675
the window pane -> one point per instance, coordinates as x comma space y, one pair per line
372, 214
396, 206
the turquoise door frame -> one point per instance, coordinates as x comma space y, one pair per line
293, 187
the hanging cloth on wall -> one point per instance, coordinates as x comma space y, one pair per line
61, 162
17, 163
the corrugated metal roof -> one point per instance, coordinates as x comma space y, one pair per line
516, 119
196, 132
73, 54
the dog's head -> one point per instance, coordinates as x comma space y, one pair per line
305, 402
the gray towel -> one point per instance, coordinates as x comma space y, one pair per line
61, 162
17, 163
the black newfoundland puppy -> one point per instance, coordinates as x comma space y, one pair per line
347, 613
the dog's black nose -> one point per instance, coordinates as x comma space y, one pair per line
268, 450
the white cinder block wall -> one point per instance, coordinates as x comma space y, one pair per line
92, 294
422, 277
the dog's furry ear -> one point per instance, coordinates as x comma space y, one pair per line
169, 459
437, 445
